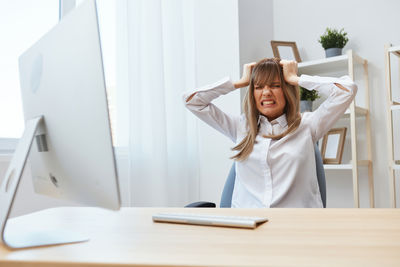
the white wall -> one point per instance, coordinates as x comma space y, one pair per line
255, 31
370, 24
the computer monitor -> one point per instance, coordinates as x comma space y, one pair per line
67, 121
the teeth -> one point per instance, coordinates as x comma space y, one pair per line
267, 102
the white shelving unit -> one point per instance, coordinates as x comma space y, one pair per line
391, 107
340, 63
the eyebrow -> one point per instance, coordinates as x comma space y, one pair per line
260, 85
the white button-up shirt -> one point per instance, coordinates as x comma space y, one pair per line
277, 173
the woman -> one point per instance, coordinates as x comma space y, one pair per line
275, 162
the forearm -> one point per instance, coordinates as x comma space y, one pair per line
190, 97
204, 95
240, 84
294, 80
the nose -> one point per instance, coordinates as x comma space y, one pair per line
266, 90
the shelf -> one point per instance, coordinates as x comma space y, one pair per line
391, 106
323, 65
337, 166
345, 65
347, 166
395, 50
395, 106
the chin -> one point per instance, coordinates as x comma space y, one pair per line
271, 114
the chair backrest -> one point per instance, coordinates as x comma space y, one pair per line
226, 197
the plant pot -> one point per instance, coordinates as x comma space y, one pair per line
333, 52
305, 106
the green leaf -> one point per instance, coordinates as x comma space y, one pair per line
333, 38
307, 94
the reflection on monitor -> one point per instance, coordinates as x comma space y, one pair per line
67, 120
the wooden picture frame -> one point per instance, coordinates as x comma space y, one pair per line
332, 146
281, 49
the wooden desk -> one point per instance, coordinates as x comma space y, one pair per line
292, 237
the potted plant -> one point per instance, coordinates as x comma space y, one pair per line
333, 41
306, 99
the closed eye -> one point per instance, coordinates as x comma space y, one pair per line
275, 85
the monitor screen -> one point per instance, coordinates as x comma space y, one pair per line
62, 79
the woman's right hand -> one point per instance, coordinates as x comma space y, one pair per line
245, 80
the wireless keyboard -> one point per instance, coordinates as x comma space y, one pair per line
211, 220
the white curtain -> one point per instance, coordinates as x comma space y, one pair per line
155, 65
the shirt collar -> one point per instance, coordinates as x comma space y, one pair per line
281, 120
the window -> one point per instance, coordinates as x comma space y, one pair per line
22, 23
106, 10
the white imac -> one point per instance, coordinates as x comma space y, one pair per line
67, 129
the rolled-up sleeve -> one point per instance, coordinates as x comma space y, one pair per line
198, 101
324, 117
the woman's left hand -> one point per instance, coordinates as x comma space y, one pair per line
290, 71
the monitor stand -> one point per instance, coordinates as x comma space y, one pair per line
15, 237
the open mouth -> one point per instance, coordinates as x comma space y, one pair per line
267, 103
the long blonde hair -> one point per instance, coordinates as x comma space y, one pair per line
264, 73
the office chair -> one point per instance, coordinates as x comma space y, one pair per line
226, 197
